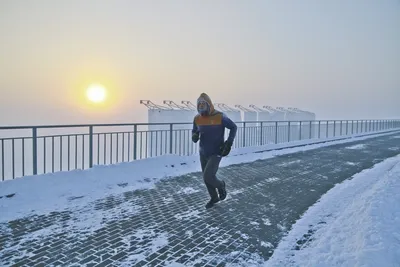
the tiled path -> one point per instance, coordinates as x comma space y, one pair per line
169, 226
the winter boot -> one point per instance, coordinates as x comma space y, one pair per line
211, 203
222, 191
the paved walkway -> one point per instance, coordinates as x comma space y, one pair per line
162, 226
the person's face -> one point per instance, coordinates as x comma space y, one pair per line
203, 108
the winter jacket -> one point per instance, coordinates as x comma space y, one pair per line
211, 129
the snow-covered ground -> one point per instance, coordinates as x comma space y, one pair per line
356, 223
45, 193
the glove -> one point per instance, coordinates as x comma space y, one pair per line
226, 148
195, 137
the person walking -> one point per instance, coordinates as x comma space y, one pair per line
209, 127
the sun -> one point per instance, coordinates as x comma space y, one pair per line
96, 93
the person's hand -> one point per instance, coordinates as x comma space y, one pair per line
195, 137
226, 148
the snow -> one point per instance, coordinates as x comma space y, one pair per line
272, 179
356, 223
188, 215
187, 191
81, 224
42, 194
359, 146
266, 221
158, 240
267, 244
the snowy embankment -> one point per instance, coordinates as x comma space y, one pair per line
42, 194
356, 223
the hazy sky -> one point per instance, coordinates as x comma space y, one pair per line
338, 58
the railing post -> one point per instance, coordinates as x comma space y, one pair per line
300, 126
319, 129
341, 123
334, 128
327, 129
261, 133
171, 128
276, 132
310, 130
357, 127
90, 146
288, 131
135, 142
352, 127
34, 150
244, 134
2, 160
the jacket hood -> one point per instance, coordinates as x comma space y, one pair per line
205, 97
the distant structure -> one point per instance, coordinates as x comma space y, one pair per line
185, 111
262, 114
276, 114
248, 114
232, 113
157, 140
171, 113
302, 115
189, 105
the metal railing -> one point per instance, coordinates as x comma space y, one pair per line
32, 150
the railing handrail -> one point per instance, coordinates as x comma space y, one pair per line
49, 126
91, 145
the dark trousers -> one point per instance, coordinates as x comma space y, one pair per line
209, 166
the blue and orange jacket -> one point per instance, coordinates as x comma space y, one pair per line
211, 129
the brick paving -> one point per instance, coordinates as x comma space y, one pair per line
169, 224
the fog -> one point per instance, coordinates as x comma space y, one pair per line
339, 59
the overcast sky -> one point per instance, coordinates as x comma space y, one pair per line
337, 58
